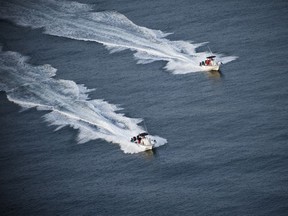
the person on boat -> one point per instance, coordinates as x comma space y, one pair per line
139, 139
133, 139
207, 61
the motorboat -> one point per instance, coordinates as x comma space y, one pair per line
210, 64
145, 140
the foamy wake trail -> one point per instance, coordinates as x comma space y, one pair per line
33, 86
114, 30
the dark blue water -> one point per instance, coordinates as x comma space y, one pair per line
227, 132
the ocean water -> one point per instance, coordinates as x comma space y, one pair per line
77, 79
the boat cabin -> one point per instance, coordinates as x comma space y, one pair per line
139, 137
208, 62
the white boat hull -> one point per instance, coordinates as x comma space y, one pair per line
147, 142
146, 147
211, 67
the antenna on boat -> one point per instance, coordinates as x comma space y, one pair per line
210, 50
145, 126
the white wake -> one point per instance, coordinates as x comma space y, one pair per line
112, 29
34, 86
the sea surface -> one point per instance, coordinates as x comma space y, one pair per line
78, 79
